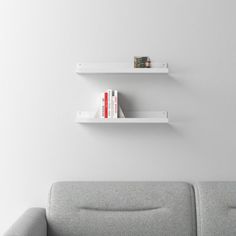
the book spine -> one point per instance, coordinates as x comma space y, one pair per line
115, 104
102, 108
109, 91
106, 104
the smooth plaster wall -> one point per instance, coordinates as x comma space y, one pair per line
40, 43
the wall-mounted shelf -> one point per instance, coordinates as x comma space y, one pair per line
153, 117
120, 68
147, 117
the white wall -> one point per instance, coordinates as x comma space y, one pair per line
40, 43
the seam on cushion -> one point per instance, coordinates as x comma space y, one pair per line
194, 219
198, 209
120, 210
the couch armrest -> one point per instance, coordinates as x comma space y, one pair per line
31, 223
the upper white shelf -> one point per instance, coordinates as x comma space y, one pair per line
120, 68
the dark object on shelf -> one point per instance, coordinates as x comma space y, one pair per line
142, 62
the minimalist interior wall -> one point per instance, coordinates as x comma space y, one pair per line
40, 43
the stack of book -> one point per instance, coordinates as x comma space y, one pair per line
109, 104
142, 62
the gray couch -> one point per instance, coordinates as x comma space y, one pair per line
133, 209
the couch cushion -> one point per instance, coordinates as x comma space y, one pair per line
216, 207
121, 209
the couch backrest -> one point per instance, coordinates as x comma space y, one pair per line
121, 209
216, 208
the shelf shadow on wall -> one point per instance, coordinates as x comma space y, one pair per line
134, 130
117, 80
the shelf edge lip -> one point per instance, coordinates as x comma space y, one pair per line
132, 117
166, 71
123, 121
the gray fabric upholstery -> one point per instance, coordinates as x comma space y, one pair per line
216, 207
31, 223
121, 209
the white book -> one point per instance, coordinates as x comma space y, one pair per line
112, 107
115, 104
102, 106
109, 91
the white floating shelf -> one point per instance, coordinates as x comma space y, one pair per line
156, 117
120, 68
123, 121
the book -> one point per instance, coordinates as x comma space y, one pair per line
109, 91
115, 104
102, 106
106, 105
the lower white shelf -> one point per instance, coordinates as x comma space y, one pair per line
150, 117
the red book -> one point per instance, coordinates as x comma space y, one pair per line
106, 105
